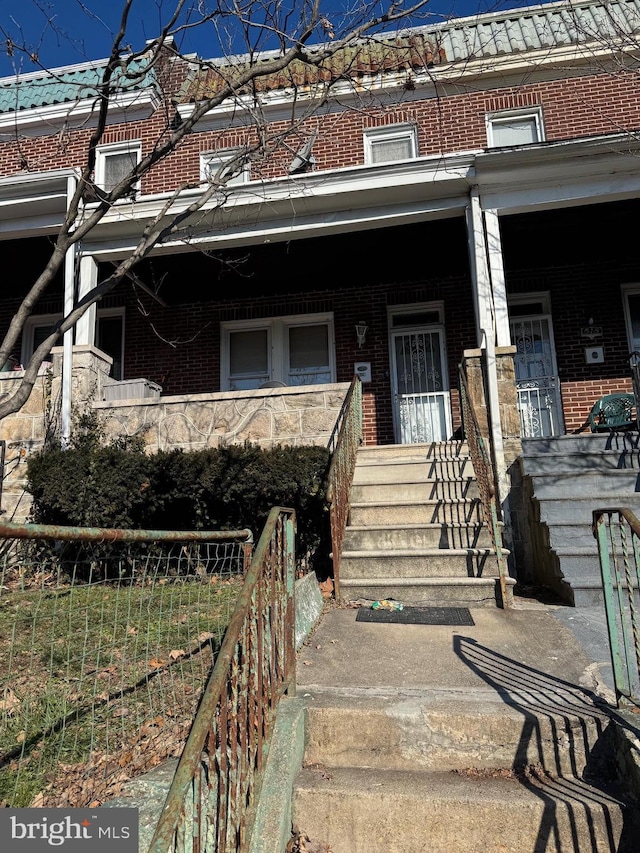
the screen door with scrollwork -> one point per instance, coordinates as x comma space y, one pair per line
537, 382
422, 410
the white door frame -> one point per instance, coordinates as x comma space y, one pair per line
435, 311
553, 407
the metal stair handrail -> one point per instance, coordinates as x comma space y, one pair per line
344, 442
484, 472
617, 531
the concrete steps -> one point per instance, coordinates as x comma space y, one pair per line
569, 477
363, 811
446, 770
431, 511
415, 531
443, 730
431, 535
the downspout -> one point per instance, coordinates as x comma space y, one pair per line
487, 329
67, 341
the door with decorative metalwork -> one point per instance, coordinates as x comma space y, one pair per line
537, 382
422, 408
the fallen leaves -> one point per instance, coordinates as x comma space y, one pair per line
9, 704
301, 843
326, 588
102, 777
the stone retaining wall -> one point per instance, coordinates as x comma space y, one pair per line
301, 415
293, 416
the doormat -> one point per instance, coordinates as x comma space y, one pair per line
418, 616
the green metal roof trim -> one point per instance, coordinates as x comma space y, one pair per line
512, 32
65, 86
540, 27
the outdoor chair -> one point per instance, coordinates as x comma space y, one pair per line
613, 411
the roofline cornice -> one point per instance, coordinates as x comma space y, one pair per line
135, 105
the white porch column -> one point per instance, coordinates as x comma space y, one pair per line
498, 284
480, 280
86, 325
67, 340
486, 335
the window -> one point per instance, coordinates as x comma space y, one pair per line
386, 144
631, 302
212, 167
110, 338
109, 335
284, 350
512, 128
113, 162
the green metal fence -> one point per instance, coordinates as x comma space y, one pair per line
212, 800
107, 638
345, 440
617, 532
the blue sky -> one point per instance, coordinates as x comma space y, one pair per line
64, 32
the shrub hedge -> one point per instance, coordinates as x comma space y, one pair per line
117, 485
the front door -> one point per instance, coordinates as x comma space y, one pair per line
537, 380
420, 386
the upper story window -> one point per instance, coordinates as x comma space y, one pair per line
387, 144
114, 162
279, 351
222, 164
514, 127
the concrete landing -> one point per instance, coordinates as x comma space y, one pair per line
506, 649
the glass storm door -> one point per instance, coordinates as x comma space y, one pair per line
422, 411
537, 381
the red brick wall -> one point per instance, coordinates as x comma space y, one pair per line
582, 105
579, 397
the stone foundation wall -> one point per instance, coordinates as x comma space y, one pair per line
23, 433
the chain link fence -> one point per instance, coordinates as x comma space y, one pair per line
106, 641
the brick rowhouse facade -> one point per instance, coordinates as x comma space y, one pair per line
576, 248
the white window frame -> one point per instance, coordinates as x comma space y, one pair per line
390, 133
533, 114
219, 158
277, 341
103, 152
38, 321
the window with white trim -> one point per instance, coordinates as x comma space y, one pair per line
114, 162
514, 127
387, 144
279, 351
213, 163
109, 335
